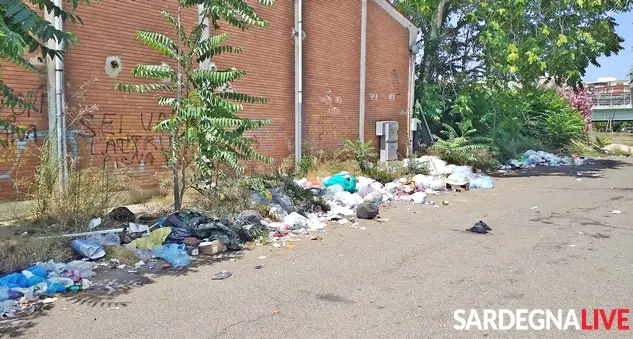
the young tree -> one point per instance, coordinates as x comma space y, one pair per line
21, 30
204, 124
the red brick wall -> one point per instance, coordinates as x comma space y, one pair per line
268, 59
386, 86
331, 72
120, 133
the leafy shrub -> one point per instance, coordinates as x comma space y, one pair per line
363, 152
461, 145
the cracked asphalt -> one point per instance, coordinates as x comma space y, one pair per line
555, 244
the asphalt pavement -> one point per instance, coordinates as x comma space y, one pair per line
555, 244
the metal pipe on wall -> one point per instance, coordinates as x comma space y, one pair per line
298, 36
363, 66
413, 36
51, 91
59, 100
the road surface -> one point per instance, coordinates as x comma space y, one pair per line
555, 244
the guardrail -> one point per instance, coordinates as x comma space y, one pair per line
622, 100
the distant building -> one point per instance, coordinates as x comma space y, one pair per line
608, 86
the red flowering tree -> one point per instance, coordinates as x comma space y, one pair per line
581, 100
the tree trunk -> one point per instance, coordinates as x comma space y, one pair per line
174, 146
432, 44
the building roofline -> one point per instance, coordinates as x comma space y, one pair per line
395, 13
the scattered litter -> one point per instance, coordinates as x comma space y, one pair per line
212, 247
261, 257
617, 212
316, 238
480, 227
174, 254
290, 246
614, 187
276, 311
138, 228
94, 223
221, 275
533, 208
363, 228
572, 245
112, 308
579, 179
367, 210
445, 203
88, 249
258, 267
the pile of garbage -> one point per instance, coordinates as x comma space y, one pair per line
350, 198
296, 209
21, 293
531, 159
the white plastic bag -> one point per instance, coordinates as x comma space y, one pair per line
296, 221
418, 197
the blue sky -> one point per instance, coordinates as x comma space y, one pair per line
616, 65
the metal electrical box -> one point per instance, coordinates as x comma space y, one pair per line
388, 133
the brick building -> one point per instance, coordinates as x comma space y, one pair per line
348, 83
608, 86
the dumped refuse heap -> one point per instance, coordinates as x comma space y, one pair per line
297, 207
531, 159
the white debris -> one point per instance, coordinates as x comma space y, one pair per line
296, 221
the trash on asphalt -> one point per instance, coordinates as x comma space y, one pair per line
480, 227
367, 210
221, 275
617, 212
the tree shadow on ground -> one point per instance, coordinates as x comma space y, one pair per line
109, 284
16, 328
590, 170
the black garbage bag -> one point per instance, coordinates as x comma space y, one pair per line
281, 199
480, 227
248, 224
202, 226
122, 214
367, 210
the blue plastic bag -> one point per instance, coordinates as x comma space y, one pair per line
483, 181
55, 288
38, 271
174, 254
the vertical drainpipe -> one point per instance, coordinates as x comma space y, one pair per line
59, 100
413, 36
298, 36
363, 66
51, 90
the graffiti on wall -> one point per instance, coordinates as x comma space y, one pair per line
395, 85
332, 102
391, 90
107, 139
